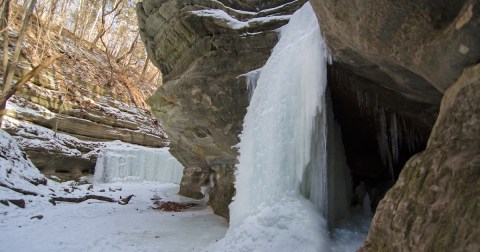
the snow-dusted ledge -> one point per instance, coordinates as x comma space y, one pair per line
237, 24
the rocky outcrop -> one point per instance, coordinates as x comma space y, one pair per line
412, 47
205, 50
35, 127
434, 206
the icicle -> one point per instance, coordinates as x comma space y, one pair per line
384, 143
395, 136
251, 79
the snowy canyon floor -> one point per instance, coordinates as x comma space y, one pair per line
100, 226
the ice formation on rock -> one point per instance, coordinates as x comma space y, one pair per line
135, 163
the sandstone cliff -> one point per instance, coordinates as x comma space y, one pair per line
205, 50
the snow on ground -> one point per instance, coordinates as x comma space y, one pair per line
18, 172
100, 226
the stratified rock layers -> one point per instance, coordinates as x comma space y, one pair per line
204, 48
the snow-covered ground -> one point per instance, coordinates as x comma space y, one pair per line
94, 225
100, 226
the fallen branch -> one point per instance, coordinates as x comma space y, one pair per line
84, 198
95, 197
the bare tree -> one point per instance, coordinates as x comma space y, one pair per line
130, 50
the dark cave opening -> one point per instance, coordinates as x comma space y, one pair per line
381, 130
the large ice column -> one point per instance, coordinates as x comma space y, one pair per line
135, 163
284, 137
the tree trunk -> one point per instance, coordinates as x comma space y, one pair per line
130, 50
4, 25
63, 16
94, 24
145, 67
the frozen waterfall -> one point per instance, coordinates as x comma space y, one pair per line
285, 180
131, 163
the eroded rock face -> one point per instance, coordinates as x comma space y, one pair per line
70, 154
412, 47
434, 206
204, 48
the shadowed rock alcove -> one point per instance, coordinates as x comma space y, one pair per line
381, 129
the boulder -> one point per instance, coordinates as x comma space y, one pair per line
434, 206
